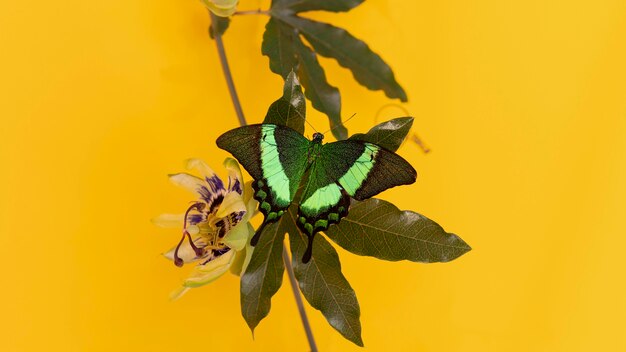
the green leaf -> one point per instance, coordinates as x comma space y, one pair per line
378, 229
283, 45
286, 52
278, 46
314, 5
323, 284
389, 134
322, 95
290, 109
220, 24
367, 67
263, 276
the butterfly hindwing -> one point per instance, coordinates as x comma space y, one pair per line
343, 170
323, 195
276, 157
324, 202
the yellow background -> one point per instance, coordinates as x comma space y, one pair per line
522, 102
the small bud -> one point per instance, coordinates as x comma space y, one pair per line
222, 8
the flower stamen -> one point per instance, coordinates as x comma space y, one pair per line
178, 261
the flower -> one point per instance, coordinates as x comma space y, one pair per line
215, 228
222, 8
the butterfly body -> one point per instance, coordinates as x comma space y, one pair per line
278, 158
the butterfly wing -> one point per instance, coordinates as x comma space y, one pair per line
342, 170
375, 170
276, 157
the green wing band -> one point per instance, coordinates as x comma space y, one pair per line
386, 170
321, 199
273, 170
358, 172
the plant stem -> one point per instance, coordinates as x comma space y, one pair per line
252, 12
226, 70
296, 294
242, 121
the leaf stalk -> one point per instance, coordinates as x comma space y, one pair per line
252, 12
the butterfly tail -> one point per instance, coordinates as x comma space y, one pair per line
257, 234
309, 250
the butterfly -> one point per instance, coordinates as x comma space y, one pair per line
278, 157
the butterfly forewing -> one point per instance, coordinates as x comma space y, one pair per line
276, 157
243, 144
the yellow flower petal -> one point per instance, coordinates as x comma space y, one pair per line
237, 265
188, 182
204, 274
201, 166
242, 258
248, 192
169, 220
252, 205
234, 171
233, 202
178, 293
249, 251
185, 252
237, 237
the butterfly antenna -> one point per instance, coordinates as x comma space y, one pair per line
308, 123
342, 123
